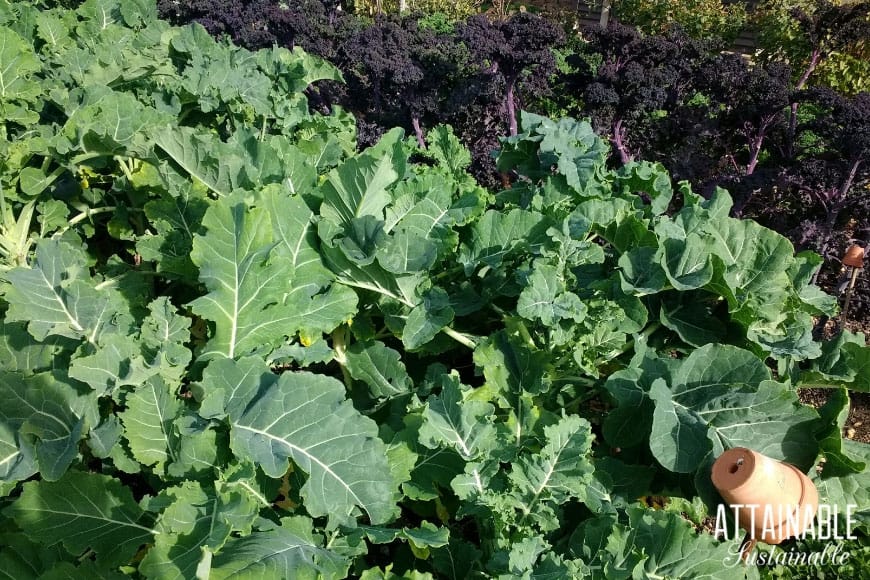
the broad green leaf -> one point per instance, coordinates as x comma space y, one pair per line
560, 471
420, 225
54, 29
670, 548
427, 319
407, 251
359, 186
755, 257
845, 361
83, 510
679, 437
726, 393
692, 317
197, 518
296, 239
247, 480
793, 337
572, 146
112, 123
631, 232
138, 12
116, 363
202, 156
641, 273
19, 63
17, 456
265, 160
455, 560
524, 553
251, 300
686, 262
834, 414
630, 422
87, 569
20, 352
125, 361
164, 333
648, 178
101, 14
600, 212
363, 237
244, 283
105, 436
448, 150
223, 76
545, 299
512, 366
379, 367
199, 449
318, 352
23, 558
386, 573
859, 363
55, 296
553, 567
38, 427
624, 480
401, 453
496, 234
321, 313
475, 482
306, 418
317, 305
297, 69
719, 366
372, 277
284, 551
850, 489
449, 420
175, 220
432, 469
33, 181
426, 536
148, 423
227, 385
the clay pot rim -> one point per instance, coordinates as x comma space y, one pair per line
854, 256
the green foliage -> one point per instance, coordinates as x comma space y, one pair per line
233, 347
844, 66
699, 18
451, 10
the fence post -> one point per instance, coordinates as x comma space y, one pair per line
605, 14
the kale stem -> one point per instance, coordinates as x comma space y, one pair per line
647, 332
88, 213
339, 345
126, 170
461, 338
114, 280
263, 130
83, 216
448, 272
85, 157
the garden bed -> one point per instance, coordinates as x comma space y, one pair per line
234, 343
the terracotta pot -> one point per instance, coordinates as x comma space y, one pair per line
854, 257
778, 500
